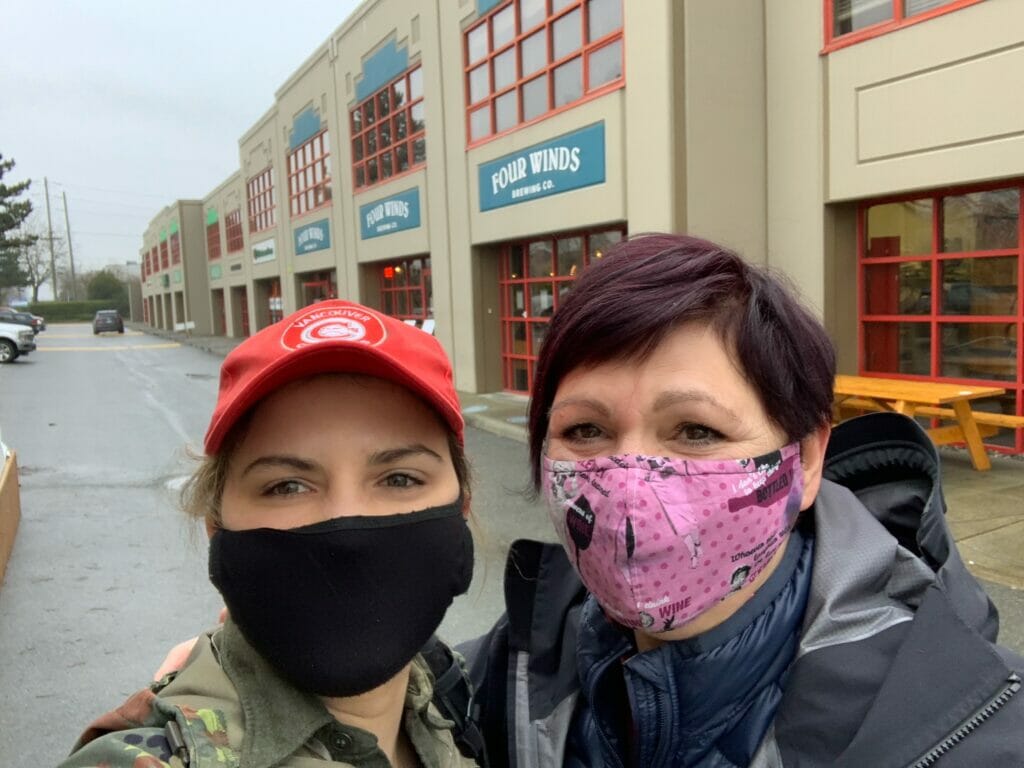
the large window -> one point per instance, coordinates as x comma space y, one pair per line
233, 230
164, 260
154, 260
528, 58
388, 131
850, 21
405, 289
262, 202
213, 240
309, 175
941, 288
534, 276
175, 239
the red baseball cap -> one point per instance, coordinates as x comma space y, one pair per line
333, 337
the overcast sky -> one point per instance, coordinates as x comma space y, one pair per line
128, 106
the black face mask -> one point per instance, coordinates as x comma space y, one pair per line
339, 607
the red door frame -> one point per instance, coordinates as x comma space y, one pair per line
935, 318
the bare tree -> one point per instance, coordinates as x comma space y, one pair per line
35, 260
35, 257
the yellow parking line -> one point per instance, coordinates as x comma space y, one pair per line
87, 335
108, 349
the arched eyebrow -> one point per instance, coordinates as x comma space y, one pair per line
284, 460
391, 455
675, 396
584, 402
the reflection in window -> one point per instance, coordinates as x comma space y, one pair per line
528, 299
981, 221
568, 82
388, 130
898, 289
405, 288
898, 348
899, 229
980, 350
550, 32
852, 15
980, 286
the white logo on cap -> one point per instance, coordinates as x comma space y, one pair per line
333, 329
323, 323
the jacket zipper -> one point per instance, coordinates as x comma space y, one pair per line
605, 741
965, 728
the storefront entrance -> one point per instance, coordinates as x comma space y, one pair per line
316, 286
941, 279
533, 277
405, 289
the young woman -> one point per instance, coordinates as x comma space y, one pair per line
729, 593
335, 493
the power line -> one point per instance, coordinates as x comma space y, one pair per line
108, 234
163, 196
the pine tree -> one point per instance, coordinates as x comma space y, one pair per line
13, 213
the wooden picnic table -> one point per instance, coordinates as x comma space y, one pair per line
928, 398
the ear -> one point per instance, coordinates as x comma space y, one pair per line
812, 461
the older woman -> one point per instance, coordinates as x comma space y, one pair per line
335, 493
751, 594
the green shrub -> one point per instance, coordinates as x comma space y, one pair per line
73, 311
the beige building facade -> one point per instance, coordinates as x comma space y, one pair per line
457, 163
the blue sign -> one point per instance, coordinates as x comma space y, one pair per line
313, 237
392, 214
568, 162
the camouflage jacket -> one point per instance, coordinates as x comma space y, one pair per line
227, 708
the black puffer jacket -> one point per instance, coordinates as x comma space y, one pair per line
897, 663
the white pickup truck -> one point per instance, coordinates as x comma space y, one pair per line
15, 340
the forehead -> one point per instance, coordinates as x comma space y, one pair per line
352, 407
691, 357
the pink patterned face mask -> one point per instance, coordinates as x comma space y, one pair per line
658, 541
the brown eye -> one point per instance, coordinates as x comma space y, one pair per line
401, 480
697, 434
582, 432
287, 488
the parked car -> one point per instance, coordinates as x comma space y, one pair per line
8, 315
15, 340
107, 320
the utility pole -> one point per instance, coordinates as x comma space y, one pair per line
71, 253
49, 239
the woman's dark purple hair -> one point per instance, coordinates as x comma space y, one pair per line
622, 307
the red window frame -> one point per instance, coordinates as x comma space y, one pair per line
309, 175
899, 20
397, 291
154, 260
175, 240
519, 82
213, 240
261, 200
164, 258
233, 230
519, 347
935, 320
373, 148
275, 293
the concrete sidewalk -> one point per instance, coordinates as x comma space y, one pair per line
985, 509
